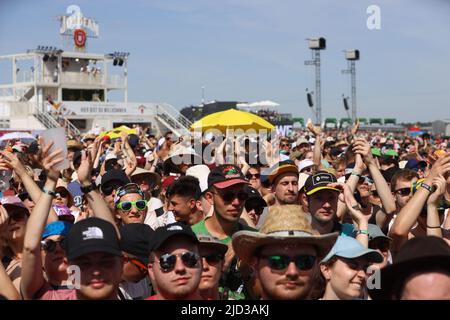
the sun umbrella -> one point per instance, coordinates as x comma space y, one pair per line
25, 137
117, 132
232, 119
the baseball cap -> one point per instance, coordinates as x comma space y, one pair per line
305, 164
376, 152
135, 239
415, 164
207, 241
115, 175
254, 196
375, 232
60, 228
348, 247
200, 172
166, 182
280, 168
225, 176
92, 235
10, 202
319, 181
127, 189
164, 233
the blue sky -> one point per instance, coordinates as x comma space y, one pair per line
252, 50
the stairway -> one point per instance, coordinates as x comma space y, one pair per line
172, 119
49, 121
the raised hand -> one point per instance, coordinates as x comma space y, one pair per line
50, 160
9, 161
440, 183
314, 130
362, 147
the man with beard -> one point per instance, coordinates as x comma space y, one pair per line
284, 179
175, 265
284, 254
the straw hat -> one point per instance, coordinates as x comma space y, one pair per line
285, 224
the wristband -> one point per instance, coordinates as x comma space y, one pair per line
49, 192
362, 232
427, 187
437, 227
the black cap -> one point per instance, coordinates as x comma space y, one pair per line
225, 176
135, 240
254, 198
92, 235
162, 234
319, 181
115, 175
133, 140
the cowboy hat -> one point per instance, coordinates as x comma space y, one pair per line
420, 254
285, 224
181, 155
153, 178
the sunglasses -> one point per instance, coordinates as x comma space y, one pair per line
109, 188
258, 209
167, 261
284, 145
136, 262
62, 194
403, 191
128, 205
382, 245
365, 179
229, 196
252, 175
213, 258
50, 245
281, 262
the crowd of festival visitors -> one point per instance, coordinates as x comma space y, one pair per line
318, 215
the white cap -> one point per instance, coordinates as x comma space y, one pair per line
201, 172
402, 164
304, 164
301, 180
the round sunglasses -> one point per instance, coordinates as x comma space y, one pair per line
128, 205
167, 261
281, 262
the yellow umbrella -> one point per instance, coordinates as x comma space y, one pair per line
117, 132
232, 119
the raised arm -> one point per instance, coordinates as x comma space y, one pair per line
362, 147
32, 274
96, 201
407, 217
317, 157
433, 221
7, 288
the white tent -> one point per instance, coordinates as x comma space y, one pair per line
264, 104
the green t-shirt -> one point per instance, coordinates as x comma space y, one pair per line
234, 293
200, 228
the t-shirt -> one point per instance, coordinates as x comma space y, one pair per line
136, 290
200, 228
49, 292
74, 188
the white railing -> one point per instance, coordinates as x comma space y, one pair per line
173, 119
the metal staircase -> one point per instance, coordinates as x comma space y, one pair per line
49, 121
171, 118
